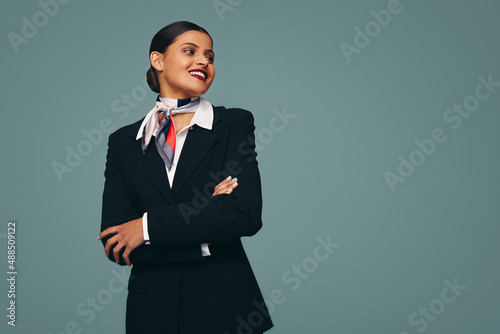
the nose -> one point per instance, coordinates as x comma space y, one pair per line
202, 61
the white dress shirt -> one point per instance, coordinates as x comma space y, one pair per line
203, 117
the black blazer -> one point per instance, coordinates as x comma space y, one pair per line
172, 288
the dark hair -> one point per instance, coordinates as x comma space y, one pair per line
162, 40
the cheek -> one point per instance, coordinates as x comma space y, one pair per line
181, 64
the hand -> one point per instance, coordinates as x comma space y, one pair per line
226, 186
128, 235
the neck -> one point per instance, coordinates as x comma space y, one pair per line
177, 95
175, 103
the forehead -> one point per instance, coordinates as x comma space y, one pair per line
199, 38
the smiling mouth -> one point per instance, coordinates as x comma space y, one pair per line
198, 75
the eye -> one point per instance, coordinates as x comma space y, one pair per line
211, 58
189, 51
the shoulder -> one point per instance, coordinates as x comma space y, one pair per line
129, 130
232, 116
125, 136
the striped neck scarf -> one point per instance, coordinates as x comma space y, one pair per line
165, 138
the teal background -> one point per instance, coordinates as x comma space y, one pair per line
322, 173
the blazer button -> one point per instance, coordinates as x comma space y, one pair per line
175, 274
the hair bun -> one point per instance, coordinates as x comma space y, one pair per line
152, 79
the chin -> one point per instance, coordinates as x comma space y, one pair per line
198, 92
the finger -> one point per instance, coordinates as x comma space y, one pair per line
216, 189
233, 184
221, 185
126, 256
110, 243
223, 189
227, 180
116, 251
227, 188
106, 232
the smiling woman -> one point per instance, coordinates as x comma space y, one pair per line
189, 56
190, 272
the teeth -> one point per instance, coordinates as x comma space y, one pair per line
200, 74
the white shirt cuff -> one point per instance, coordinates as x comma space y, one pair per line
204, 250
145, 228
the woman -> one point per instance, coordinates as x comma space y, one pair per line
182, 187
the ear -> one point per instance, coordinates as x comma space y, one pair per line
156, 59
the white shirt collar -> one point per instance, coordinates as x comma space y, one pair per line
203, 117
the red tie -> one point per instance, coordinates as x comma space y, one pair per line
166, 139
171, 134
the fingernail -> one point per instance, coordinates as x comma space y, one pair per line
97, 237
235, 184
234, 179
228, 178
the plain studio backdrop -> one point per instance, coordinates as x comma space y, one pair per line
377, 133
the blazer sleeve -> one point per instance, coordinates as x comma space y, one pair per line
117, 208
221, 218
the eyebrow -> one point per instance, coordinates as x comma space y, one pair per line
210, 50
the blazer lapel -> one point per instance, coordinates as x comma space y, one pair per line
198, 143
153, 167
